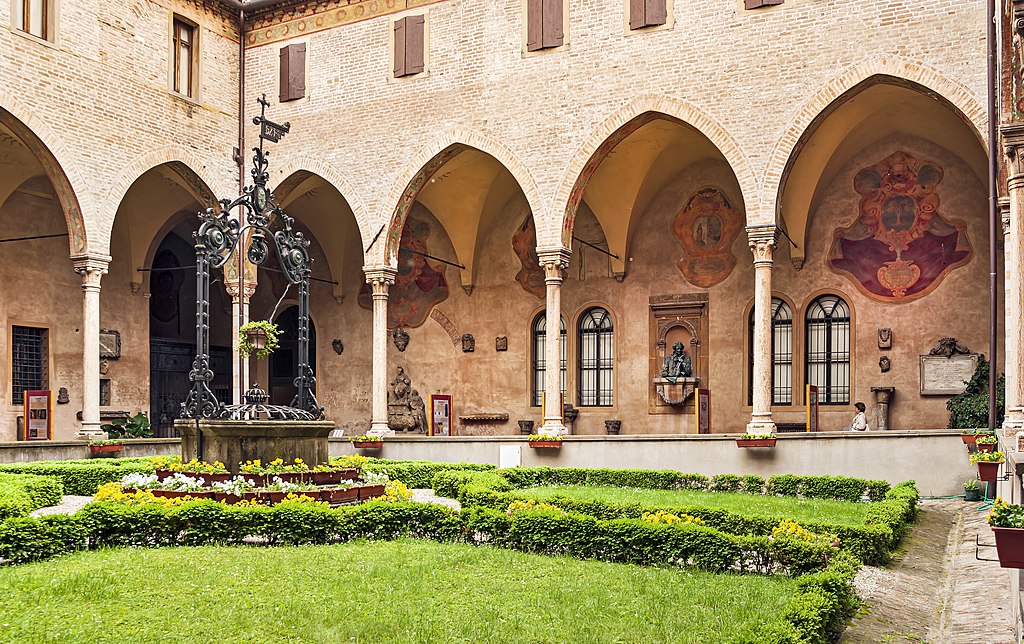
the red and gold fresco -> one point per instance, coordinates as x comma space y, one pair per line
524, 244
901, 247
706, 228
419, 285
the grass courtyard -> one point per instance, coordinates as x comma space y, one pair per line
799, 509
398, 591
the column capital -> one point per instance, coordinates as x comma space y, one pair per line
380, 274
1003, 205
762, 240
1013, 148
554, 260
92, 268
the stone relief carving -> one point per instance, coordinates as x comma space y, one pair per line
338, 346
62, 396
884, 364
401, 338
501, 343
949, 347
406, 411
885, 338
468, 343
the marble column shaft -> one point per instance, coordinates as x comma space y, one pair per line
554, 262
91, 268
380, 280
1013, 256
762, 243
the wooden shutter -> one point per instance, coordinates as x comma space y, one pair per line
757, 4
414, 41
293, 72
647, 13
553, 36
400, 30
534, 25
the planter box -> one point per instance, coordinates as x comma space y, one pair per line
258, 480
105, 451
367, 492
1010, 546
546, 444
986, 447
969, 439
755, 442
326, 478
163, 474
340, 495
226, 497
368, 444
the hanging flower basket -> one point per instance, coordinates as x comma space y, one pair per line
756, 440
1010, 546
545, 441
104, 448
258, 339
367, 442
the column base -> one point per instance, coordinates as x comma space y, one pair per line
553, 427
380, 428
761, 426
91, 433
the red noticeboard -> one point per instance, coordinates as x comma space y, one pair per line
812, 408
38, 415
703, 411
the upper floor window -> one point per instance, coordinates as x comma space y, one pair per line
545, 28
293, 72
34, 17
782, 354
410, 45
596, 359
647, 13
539, 370
828, 349
184, 58
30, 358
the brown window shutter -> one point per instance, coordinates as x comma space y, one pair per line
553, 36
534, 24
657, 12
293, 72
757, 4
400, 40
414, 44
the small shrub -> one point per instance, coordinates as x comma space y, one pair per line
783, 485
725, 483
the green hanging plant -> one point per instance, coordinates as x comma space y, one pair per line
970, 409
258, 339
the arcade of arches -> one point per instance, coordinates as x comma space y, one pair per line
880, 223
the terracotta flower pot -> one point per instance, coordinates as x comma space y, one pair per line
326, 478
216, 478
105, 449
163, 474
251, 496
349, 473
340, 495
272, 497
756, 442
368, 444
227, 497
367, 492
258, 480
1010, 546
986, 447
988, 472
546, 444
969, 439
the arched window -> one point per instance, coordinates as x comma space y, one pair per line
782, 354
828, 349
540, 339
596, 359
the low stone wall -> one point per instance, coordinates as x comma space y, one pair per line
936, 459
22, 451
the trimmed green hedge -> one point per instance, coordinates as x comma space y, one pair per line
872, 543
838, 488
80, 478
20, 494
418, 474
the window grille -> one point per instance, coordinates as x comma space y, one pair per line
539, 366
29, 355
828, 349
782, 354
597, 359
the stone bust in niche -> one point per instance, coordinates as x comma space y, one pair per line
677, 365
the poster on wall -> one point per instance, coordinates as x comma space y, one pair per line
441, 415
703, 411
812, 408
38, 424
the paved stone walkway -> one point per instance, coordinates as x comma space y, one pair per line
936, 591
68, 505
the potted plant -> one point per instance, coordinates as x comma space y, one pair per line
105, 449
988, 468
212, 472
756, 440
1007, 522
367, 442
342, 494
970, 436
986, 443
136, 426
545, 441
971, 492
258, 339
294, 472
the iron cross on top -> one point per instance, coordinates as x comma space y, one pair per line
269, 131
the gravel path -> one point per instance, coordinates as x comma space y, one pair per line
428, 496
68, 505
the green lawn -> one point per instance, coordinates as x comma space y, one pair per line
403, 591
840, 512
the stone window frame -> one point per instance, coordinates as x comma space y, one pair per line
196, 48
47, 365
392, 19
795, 353
524, 17
51, 9
536, 382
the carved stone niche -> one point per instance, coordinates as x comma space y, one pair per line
677, 318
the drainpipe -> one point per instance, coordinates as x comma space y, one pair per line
994, 225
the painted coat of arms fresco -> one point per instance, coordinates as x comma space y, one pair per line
418, 287
524, 245
901, 247
706, 228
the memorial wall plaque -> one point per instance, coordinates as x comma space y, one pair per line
946, 376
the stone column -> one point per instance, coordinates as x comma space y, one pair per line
554, 261
380, 279
91, 268
240, 376
1013, 256
762, 243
